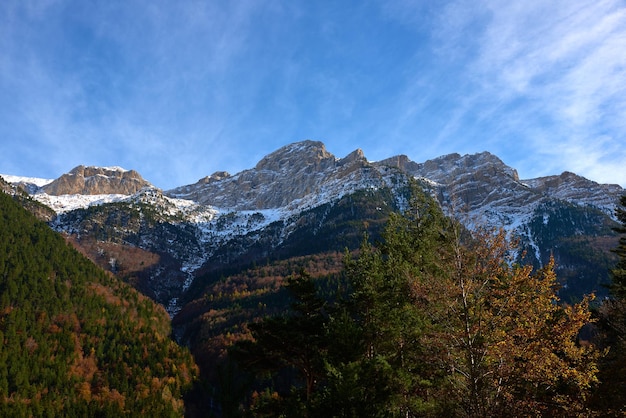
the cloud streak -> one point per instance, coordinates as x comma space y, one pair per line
560, 67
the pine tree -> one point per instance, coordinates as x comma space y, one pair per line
618, 273
610, 397
388, 323
289, 344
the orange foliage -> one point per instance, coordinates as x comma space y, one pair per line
84, 367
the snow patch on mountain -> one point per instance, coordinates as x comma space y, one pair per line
67, 203
39, 182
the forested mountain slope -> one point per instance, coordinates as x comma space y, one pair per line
75, 341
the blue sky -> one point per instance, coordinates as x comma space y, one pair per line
180, 89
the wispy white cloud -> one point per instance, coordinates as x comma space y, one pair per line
548, 74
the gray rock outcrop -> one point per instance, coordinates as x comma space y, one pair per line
97, 180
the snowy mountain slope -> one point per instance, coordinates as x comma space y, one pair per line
34, 181
304, 175
578, 190
30, 184
566, 217
82, 187
480, 187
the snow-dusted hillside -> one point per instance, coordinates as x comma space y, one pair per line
37, 182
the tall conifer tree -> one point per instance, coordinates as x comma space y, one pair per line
610, 398
618, 274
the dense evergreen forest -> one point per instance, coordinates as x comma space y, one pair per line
75, 340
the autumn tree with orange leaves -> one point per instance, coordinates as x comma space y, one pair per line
509, 347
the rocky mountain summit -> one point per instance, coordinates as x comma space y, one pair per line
288, 175
483, 187
576, 189
472, 185
97, 181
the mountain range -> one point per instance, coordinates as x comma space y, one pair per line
302, 200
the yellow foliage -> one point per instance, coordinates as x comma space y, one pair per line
501, 331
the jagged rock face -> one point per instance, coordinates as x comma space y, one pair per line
454, 166
401, 162
97, 180
5, 187
291, 173
484, 189
479, 186
307, 156
472, 183
576, 189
